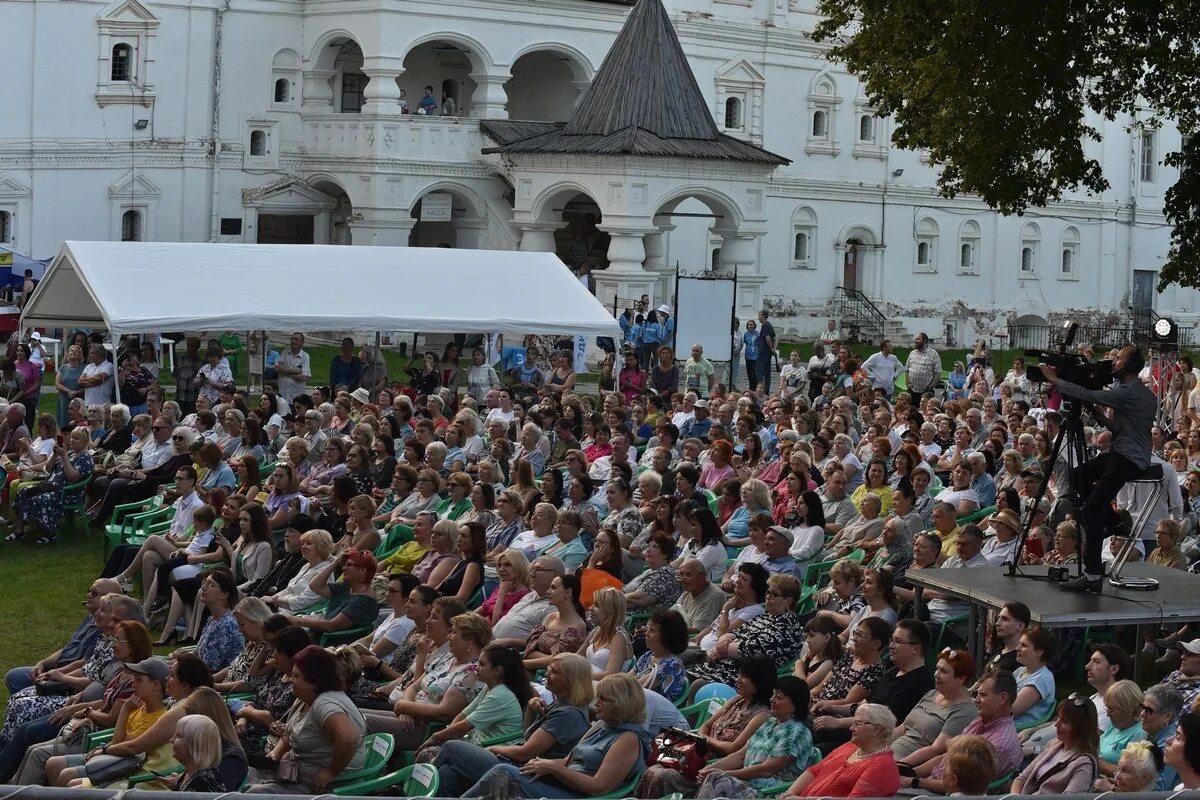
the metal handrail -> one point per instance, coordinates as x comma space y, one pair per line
866, 311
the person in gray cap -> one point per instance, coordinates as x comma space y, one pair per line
777, 546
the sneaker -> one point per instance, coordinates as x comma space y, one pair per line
126, 584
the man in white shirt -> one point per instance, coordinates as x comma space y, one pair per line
601, 469
883, 368
519, 621
970, 542
830, 337
294, 368
97, 378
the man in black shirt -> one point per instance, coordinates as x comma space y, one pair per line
900, 688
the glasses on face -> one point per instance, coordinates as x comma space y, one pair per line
773, 593
1147, 710
896, 641
158, 427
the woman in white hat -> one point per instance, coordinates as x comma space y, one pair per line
1001, 546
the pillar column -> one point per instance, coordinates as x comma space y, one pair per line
318, 94
385, 227
538, 237
468, 233
489, 98
625, 277
656, 264
581, 87
382, 93
738, 250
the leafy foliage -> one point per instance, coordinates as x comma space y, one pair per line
998, 92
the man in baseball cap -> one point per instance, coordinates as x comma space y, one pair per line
155, 667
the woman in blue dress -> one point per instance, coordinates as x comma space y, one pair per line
43, 503
66, 381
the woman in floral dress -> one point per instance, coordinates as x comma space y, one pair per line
43, 503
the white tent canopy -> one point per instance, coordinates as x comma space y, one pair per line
151, 287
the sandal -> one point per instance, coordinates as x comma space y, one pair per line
46, 540
14, 536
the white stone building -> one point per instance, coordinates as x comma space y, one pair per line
280, 121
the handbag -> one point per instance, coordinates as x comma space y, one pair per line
104, 769
680, 750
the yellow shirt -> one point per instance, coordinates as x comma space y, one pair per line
403, 559
949, 543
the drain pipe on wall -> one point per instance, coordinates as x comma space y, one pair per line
214, 200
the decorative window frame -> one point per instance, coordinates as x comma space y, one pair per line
285, 67
804, 221
877, 146
969, 235
133, 192
127, 22
742, 80
822, 96
268, 127
927, 237
1069, 248
1031, 239
14, 199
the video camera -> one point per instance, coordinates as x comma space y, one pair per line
1071, 367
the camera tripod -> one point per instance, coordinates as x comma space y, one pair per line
1073, 439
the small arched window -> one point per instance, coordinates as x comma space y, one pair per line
258, 143
5, 226
122, 62
716, 259
1068, 261
1026, 259
800, 248
866, 128
281, 90
131, 226
966, 257
923, 253
820, 124
733, 113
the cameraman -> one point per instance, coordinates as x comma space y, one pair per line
1132, 410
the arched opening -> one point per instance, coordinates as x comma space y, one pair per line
695, 224
733, 113
923, 253
258, 143
545, 86
966, 257
282, 92
5, 226
434, 71
1029, 331
820, 124
318, 213
131, 226
800, 247
443, 216
850, 265
866, 129
122, 63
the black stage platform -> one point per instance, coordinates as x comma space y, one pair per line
1176, 601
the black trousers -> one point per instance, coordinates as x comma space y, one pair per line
1099, 481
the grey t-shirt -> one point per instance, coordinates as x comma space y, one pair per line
566, 724
662, 713
928, 720
311, 746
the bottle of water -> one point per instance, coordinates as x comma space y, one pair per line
502, 786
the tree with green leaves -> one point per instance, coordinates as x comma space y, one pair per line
999, 92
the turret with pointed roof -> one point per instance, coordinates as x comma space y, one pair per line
644, 100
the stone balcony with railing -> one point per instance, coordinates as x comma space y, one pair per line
403, 137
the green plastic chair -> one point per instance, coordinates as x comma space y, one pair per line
807, 603
636, 617
396, 537
507, 738
147, 777
379, 747
711, 498
415, 780
775, 789
975, 517
622, 791
681, 701
344, 637
1001, 783
856, 556
816, 574
73, 498
703, 711
936, 648
97, 738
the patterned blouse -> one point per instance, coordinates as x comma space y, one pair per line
845, 677
239, 670
220, 642
551, 643
626, 522
665, 676
777, 636
775, 739
662, 584
735, 716
449, 675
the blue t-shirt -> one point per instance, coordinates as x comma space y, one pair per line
750, 345
1113, 741
1043, 681
651, 332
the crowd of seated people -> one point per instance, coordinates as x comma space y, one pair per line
528, 586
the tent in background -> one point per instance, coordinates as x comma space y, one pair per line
151, 287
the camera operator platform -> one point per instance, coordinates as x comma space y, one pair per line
1131, 411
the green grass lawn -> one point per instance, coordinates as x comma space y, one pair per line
43, 588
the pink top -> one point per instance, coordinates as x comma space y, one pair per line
710, 476
510, 600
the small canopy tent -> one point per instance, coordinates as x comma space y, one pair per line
150, 287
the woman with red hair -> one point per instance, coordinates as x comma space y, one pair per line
351, 602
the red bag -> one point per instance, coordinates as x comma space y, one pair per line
682, 751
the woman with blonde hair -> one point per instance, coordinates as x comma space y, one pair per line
1137, 770
316, 548
513, 570
607, 647
197, 746
551, 728
360, 533
1123, 701
610, 755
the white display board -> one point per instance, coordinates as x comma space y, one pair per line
704, 315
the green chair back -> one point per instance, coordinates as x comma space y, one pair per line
379, 747
816, 574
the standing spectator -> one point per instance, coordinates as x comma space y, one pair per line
883, 368
748, 346
698, 373
766, 350
97, 379
186, 369
924, 368
346, 368
294, 369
